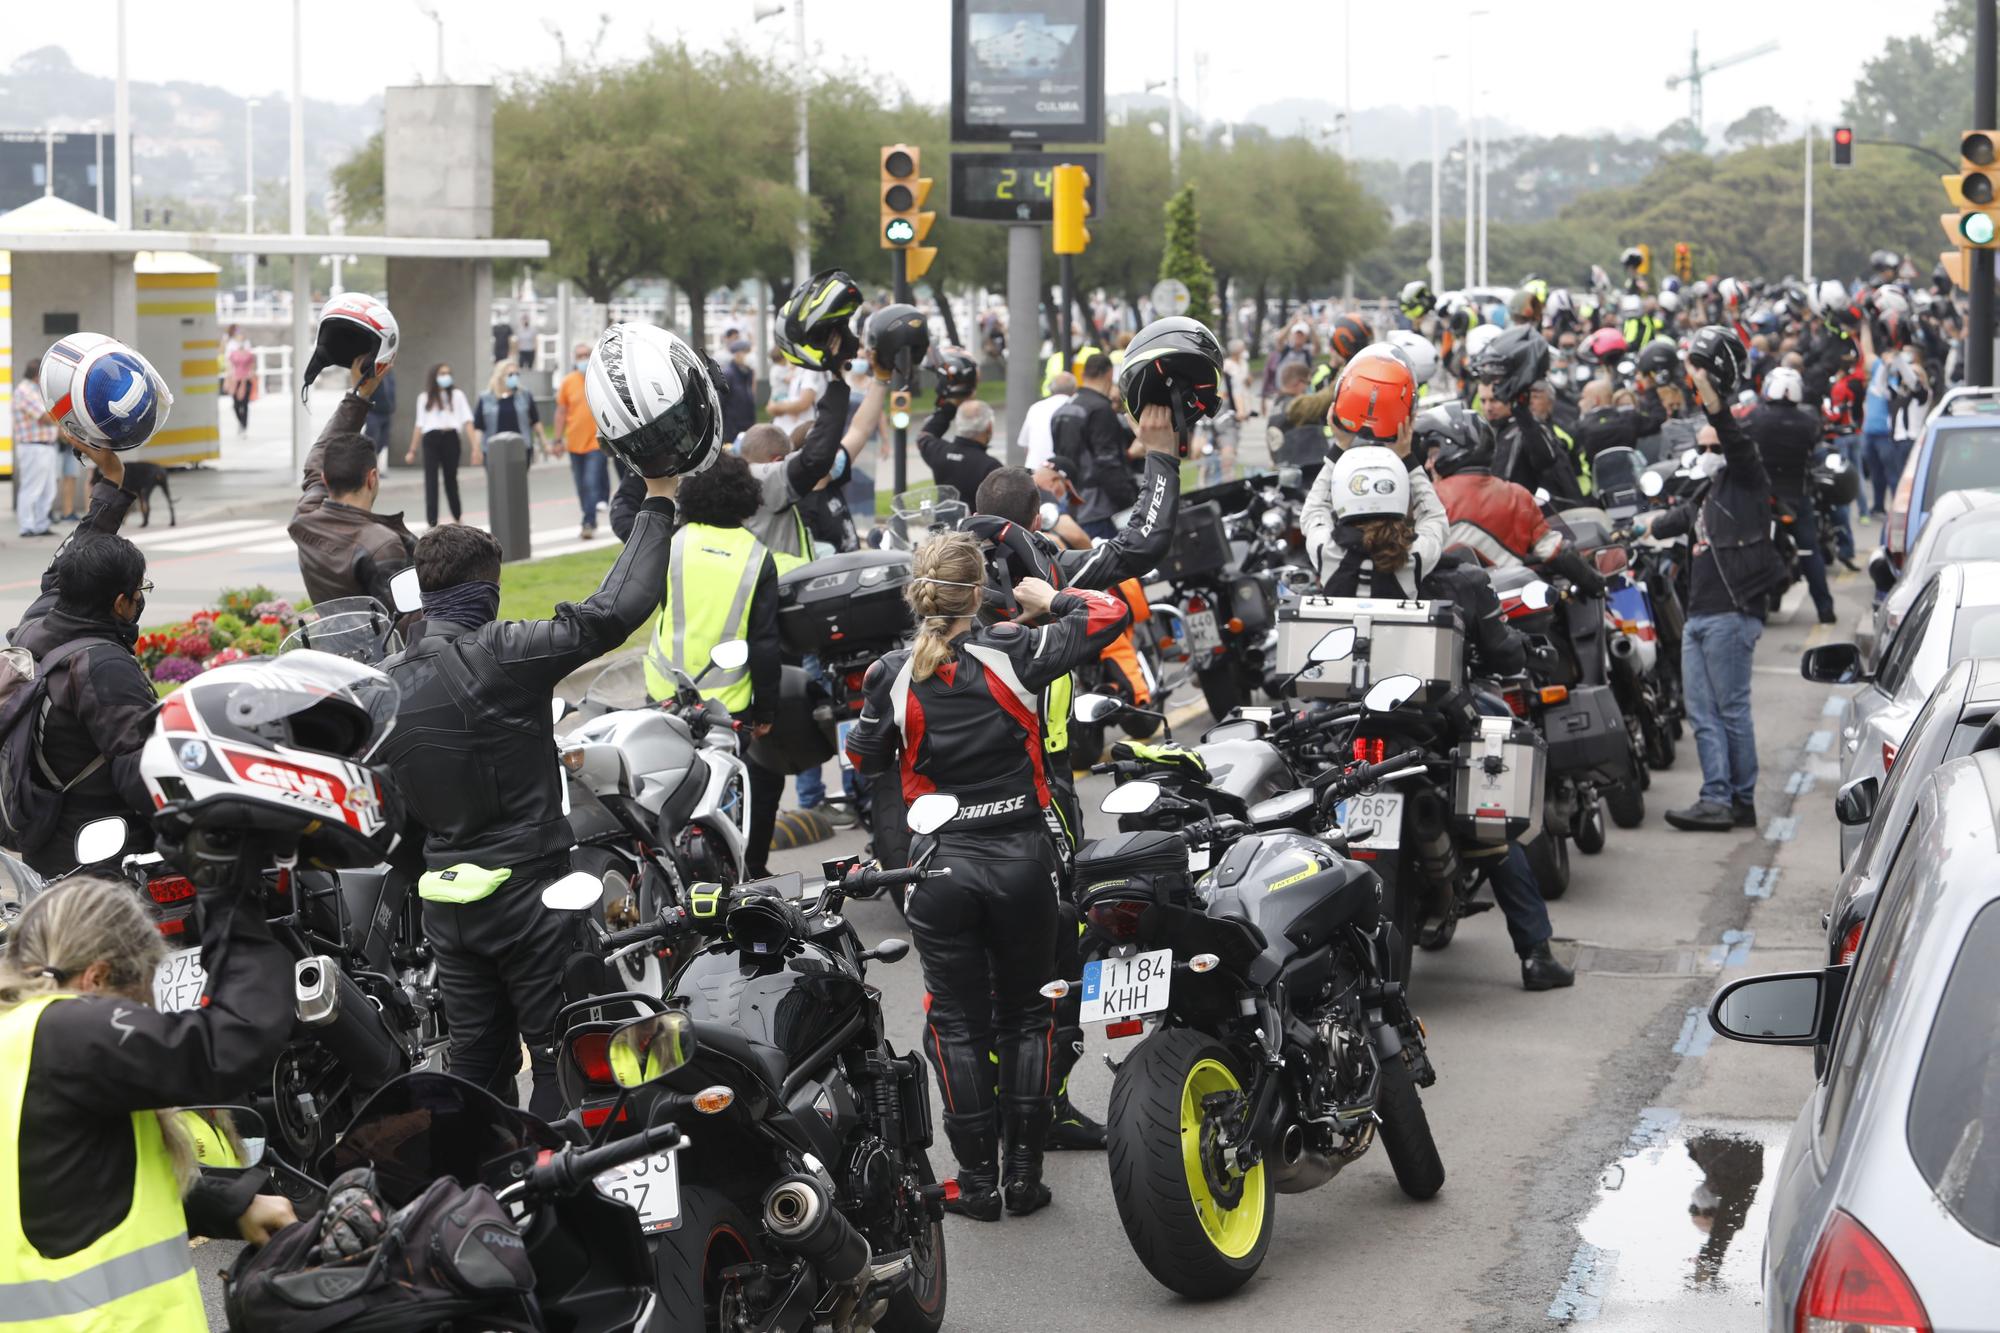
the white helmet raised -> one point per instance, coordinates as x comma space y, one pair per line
655, 401
1829, 296
1370, 481
1417, 353
104, 393
351, 326
1670, 299
1783, 384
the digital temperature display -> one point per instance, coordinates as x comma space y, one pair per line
1017, 187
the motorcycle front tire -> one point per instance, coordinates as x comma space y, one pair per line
1627, 804
1548, 857
714, 1236
918, 1305
1221, 688
1590, 826
1406, 1134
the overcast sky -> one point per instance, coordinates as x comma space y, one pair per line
1556, 65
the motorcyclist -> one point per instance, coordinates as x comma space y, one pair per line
958, 712
1525, 451
1371, 498
1350, 334
1787, 436
962, 461
1374, 404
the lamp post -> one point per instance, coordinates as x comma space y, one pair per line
801, 156
249, 202
1485, 179
1437, 218
1471, 131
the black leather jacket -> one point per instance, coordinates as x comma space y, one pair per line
474, 745
1529, 455
1786, 436
1735, 564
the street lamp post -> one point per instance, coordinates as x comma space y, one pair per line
1471, 121
1485, 179
1174, 104
249, 202
801, 154
1437, 218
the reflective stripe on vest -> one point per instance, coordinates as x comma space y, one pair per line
710, 578
137, 1276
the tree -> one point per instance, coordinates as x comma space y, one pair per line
1919, 90
1755, 128
1181, 255
359, 180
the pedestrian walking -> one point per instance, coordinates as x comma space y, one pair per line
240, 366
381, 411
37, 442
524, 342
739, 392
443, 420
576, 431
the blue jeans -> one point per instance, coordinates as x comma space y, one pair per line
593, 483
1100, 527
1512, 878
1716, 655
811, 784
1883, 456
1850, 450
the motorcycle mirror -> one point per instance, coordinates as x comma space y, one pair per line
572, 893
1541, 495
1090, 708
932, 811
729, 655
891, 950
1651, 484
1390, 693
651, 1048
405, 591
1049, 516
1333, 645
1291, 478
1295, 577
100, 840
224, 1137
558, 708
1130, 799
1610, 560
1535, 596
1835, 464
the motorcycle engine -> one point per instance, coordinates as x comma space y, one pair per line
869, 1172
1348, 1060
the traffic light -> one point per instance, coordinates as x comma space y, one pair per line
1976, 224
1683, 261
1645, 257
905, 224
1071, 208
1843, 145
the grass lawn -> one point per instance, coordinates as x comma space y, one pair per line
531, 591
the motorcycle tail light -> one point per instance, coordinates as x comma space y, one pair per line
1131, 1027
1370, 751
174, 928
1517, 700
855, 679
171, 889
1850, 943
1888, 758
593, 1116
1118, 920
590, 1052
1196, 606
1853, 1282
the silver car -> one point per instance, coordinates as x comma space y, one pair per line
1885, 1212
1963, 525
1955, 616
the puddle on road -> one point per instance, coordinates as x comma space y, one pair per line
1676, 1238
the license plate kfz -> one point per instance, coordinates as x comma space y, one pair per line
177, 985
1121, 988
650, 1187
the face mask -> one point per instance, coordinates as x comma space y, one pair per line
1709, 463
839, 465
583, 363
444, 381
513, 381
138, 608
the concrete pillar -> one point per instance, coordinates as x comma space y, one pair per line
441, 307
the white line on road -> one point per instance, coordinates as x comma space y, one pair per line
167, 537
263, 532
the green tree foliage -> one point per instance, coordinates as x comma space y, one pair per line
1181, 255
1755, 128
1919, 90
359, 180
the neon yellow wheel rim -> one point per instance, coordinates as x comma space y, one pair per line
1232, 1229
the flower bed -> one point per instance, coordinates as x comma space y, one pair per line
250, 622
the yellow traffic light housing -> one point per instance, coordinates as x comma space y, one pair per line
1645, 257
905, 223
1683, 261
1974, 192
1071, 185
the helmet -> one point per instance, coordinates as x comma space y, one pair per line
1632, 256
898, 338
763, 922
1829, 296
1513, 361
1940, 281
957, 374
1659, 357
1885, 261
1525, 306
1670, 283
1890, 300
1176, 362
1783, 384
279, 746
1720, 352
1630, 305
1349, 336
351, 326
1416, 299
104, 393
1458, 439
814, 316
1370, 482
1374, 395
1731, 292
1604, 346
1670, 300
1561, 306
1478, 340
1416, 352
1699, 287
654, 400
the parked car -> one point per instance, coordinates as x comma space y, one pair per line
1959, 450
1964, 525
1885, 1211
1956, 616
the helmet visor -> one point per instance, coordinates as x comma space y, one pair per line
301, 681
674, 442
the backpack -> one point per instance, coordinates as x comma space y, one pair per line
451, 1253
30, 793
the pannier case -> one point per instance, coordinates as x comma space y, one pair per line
1200, 548
1399, 638
853, 598
1496, 792
1586, 735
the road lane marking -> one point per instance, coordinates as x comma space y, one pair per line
1819, 742
195, 531
1835, 705
263, 532
1782, 828
1799, 783
1734, 950
1760, 881
1696, 1034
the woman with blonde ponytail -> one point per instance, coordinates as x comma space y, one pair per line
959, 712
105, 1189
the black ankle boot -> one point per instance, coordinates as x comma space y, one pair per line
1027, 1124
1073, 1129
1541, 971
975, 1142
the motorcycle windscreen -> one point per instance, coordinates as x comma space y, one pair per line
423, 1126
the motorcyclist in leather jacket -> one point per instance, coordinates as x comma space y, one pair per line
1787, 436
1494, 520
958, 712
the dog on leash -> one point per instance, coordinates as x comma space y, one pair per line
142, 479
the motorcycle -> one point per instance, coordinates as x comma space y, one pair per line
1221, 618
813, 1204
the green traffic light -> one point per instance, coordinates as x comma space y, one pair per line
902, 231
1977, 228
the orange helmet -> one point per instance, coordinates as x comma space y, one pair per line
1349, 336
1374, 397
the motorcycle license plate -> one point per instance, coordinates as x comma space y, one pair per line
1382, 809
177, 985
1202, 635
1121, 988
840, 743
650, 1187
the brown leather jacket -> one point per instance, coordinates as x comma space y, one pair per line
332, 536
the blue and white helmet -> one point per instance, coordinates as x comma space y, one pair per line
104, 393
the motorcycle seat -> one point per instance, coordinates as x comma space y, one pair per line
768, 1063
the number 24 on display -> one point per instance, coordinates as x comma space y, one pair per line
1044, 182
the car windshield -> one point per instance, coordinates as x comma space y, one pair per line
1955, 1107
1964, 459
1976, 634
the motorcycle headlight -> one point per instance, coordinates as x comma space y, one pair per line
1273, 520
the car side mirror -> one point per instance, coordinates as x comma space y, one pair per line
1854, 804
891, 950
1882, 570
229, 1138
1832, 664
405, 591
100, 840
1779, 1008
651, 1048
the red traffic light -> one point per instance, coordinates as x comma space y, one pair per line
1843, 136
1843, 145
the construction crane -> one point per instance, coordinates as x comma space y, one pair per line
1696, 71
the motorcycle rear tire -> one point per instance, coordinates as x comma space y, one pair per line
714, 1235
1548, 857
1200, 1255
613, 872
1627, 804
1590, 826
1406, 1134
1221, 688
911, 1311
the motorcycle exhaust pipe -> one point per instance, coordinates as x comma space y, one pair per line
345, 1021
1292, 1144
800, 1217
1627, 683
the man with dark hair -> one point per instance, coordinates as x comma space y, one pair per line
471, 752
1090, 430
81, 630
346, 549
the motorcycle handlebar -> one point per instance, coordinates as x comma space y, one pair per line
571, 1169
658, 928
1345, 782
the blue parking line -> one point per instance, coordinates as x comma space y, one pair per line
1582, 1296
1834, 706
1799, 783
1760, 881
1819, 742
1696, 1034
1782, 828
1734, 950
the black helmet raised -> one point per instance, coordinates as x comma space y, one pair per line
898, 338
1456, 438
1659, 357
957, 374
1721, 353
814, 316
1176, 362
1512, 362
654, 400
